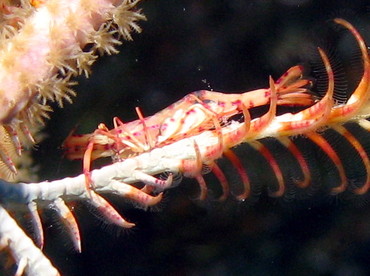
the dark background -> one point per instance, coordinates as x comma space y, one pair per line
228, 46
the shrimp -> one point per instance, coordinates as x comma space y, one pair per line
193, 114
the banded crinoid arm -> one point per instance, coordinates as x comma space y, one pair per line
43, 45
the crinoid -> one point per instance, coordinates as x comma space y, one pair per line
282, 141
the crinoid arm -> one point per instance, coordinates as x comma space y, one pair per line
211, 112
